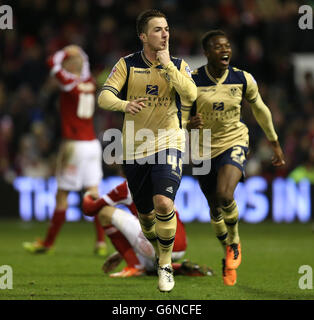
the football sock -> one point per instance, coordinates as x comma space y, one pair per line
129, 225
92, 206
166, 226
100, 233
122, 245
220, 229
149, 230
56, 223
231, 214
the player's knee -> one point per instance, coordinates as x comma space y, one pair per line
163, 204
215, 214
224, 198
62, 200
147, 216
105, 215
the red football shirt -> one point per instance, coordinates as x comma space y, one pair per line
77, 98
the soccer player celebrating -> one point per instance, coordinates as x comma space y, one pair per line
152, 85
79, 159
221, 89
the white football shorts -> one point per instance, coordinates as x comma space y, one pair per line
79, 165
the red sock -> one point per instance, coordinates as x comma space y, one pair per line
91, 207
56, 223
122, 245
100, 232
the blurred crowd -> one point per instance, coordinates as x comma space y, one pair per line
264, 35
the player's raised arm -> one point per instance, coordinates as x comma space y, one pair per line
263, 116
181, 80
68, 66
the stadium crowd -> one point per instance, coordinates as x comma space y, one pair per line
264, 36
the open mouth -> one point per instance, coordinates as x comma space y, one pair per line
225, 59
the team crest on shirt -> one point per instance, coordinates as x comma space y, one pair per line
151, 89
188, 71
233, 91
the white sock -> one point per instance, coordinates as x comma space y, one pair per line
130, 227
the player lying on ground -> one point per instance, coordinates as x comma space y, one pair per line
126, 235
79, 158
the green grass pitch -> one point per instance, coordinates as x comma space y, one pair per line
271, 257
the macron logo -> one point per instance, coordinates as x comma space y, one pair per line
169, 189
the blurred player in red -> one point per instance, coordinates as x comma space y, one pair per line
79, 163
126, 235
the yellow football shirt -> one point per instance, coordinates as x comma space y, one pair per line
219, 103
158, 126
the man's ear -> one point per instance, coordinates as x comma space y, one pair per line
143, 37
206, 54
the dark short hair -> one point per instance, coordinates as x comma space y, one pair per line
210, 34
144, 17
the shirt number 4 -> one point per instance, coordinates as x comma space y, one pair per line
173, 161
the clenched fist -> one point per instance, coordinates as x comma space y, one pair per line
163, 56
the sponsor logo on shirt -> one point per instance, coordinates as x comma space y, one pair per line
152, 89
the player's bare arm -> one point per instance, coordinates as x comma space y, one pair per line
263, 116
278, 158
196, 122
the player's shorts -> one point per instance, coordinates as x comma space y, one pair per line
79, 165
146, 179
235, 156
